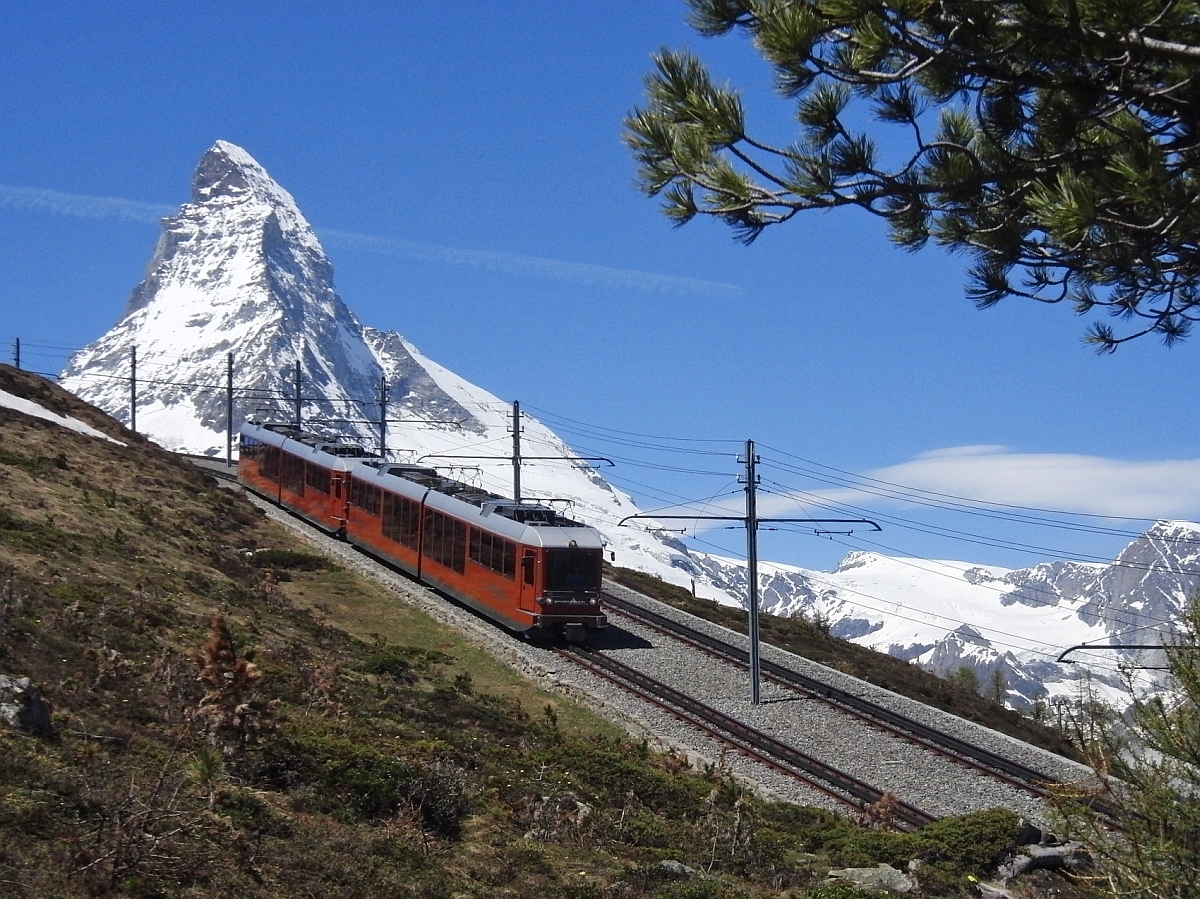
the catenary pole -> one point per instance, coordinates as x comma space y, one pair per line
516, 453
133, 389
383, 399
298, 421
752, 521
17, 353
752, 565
228, 410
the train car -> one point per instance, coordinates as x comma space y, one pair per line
302, 472
524, 565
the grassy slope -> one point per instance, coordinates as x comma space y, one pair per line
808, 640
326, 739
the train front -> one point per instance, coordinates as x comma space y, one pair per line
560, 574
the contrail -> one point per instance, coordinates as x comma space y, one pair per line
81, 205
536, 266
85, 206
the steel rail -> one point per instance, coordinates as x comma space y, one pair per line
1030, 780
924, 735
751, 742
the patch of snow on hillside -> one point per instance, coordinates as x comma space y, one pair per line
9, 401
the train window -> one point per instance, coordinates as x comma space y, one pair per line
573, 569
249, 448
445, 540
365, 496
401, 519
494, 552
291, 473
269, 465
527, 566
317, 478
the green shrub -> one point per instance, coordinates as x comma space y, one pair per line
356, 777
611, 773
841, 891
973, 843
250, 812
394, 661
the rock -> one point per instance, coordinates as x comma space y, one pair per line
22, 707
1068, 856
883, 878
1028, 835
678, 868
992, 891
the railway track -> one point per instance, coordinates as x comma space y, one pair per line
1030, 780
1020, 776
754, 744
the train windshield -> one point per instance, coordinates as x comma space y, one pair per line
573, 570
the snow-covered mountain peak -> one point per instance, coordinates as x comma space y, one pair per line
227, 173
239, 271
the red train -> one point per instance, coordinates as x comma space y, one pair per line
523, 565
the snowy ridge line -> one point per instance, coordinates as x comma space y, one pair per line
892, 609
251, 392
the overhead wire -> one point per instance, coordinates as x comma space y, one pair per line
844, 589
967, 536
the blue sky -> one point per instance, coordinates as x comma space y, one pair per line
462, 164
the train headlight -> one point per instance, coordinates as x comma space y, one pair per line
592, 602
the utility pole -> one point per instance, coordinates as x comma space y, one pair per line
298, 421
133, 389
752, 565
383, 398
752, 521
17, 353
228, 410
516, 453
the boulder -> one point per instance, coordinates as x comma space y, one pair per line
679, 869
883, 878
22, 707
1070, 857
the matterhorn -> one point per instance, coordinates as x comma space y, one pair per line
239, 271
239, 280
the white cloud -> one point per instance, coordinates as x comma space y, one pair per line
982, 476
86, 206
1069, 482
994, 475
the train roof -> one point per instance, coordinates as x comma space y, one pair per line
527, 514
276, 433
